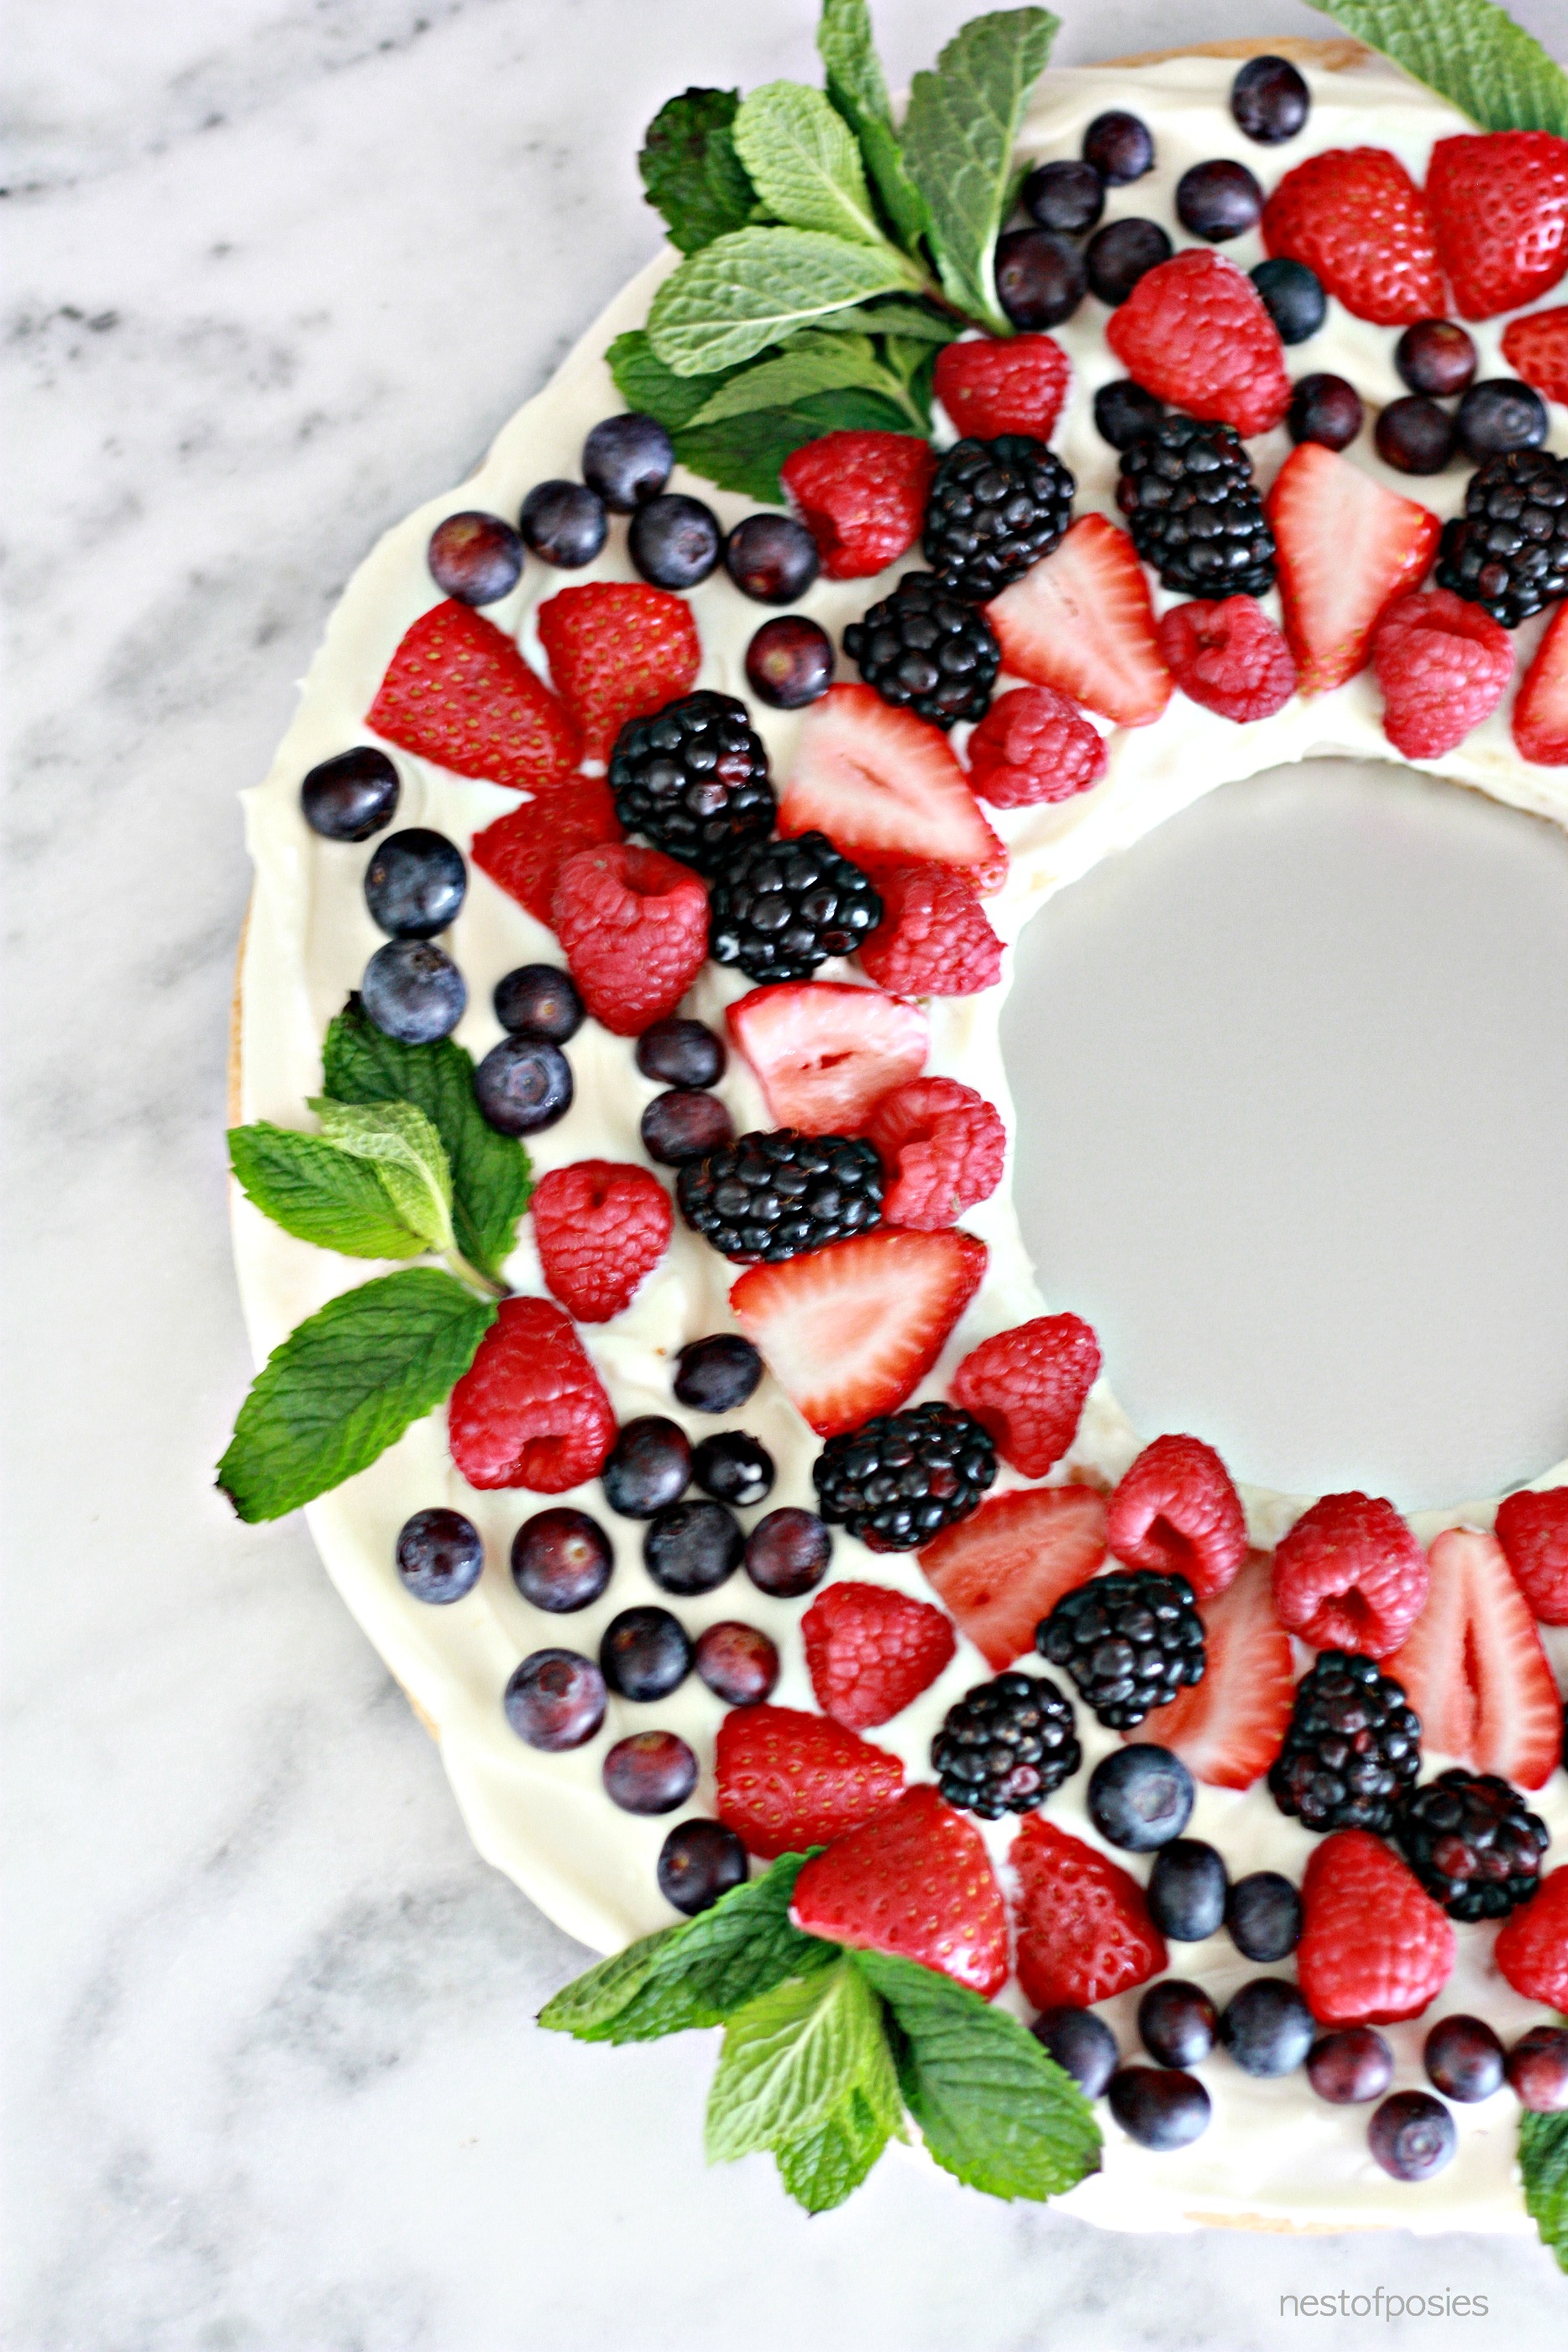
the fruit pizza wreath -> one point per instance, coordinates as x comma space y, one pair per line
801, 1620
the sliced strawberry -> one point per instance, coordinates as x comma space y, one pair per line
788, 1780
1357, 217
525, 850
870, 1651
1474, 1669
1541, 707
1229, 1728
1001, 1570
1501, 199
852, 1330
1083, 1925
459, 693
1536, 348
617, 650
1081, 621
825, 1053
917, 1882
1347, 549
886, 789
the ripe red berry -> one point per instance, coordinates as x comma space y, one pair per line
1374, 1947
1351, 1576
1534, 1532
1443, 665
633, 924
1177, 1511
600, 1230
1532, 1948
942, 1147
1536, 348
870, 1651
1028, 1386
1083, 1925
934, 939
862, 496
1229, 657
989, 387
530, 1410
915, 1881
1358, 220
1034, 745
1194, 331
617, 650
525, 850
788, 1780
458, 692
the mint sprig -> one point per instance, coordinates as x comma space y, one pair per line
857, 88
760, 286
802, 160
958, 140
1470, 52
1544, 2162
319, 1194
691, 170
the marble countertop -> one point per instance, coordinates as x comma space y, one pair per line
276, 272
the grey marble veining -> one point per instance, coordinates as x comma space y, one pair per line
274, 272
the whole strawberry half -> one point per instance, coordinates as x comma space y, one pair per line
787, 1780
530, 1410
915, 1882
1536, 348
989, 386
1027, 1387
869, 1650
1473, 1668
1532, 1948
1500, 201
1083, 1926
1229, 1727
617, 650
601, 1228
633, 924
458, 692
1194, 331
825, 1053
525, 850
1001, 1570
1374, 1947
1541, 707
1357, 217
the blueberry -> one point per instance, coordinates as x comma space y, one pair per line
789, 662
1538, 2070
1219, 200
1415, 436
717, 1374
682, 1054
1068, 196
1498, 415
1125, 412
524, 1085
788, 1552
738, 1664
564, 523
1177, 2022
698, 1862
1120, 147
674, 541
1187, 1888
414, 992
1158, 2107
1292, 296
1412, 2135
1263, 1913
1039, 278
650, 1464
1267, 2027
627, 459
1351, 2066
415, 884
538, 1000
476, 558
771, 558
645, 1654
1270, 101
685, 1124
691, 1547
1464, 2059
1324, 408
652, 1772
1436, 357
555, 1699
561, 1559
1120, 254
1140, 1798
439, 1555
1082, 2045
734, 1467
351, 796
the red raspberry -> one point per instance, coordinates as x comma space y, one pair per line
524, 851
601, 1229
1083, 1925
989, 387
788, 1780
1351, 1576
1534, 1532
1355, 216
459, 693
1532, 1948
1374, 1947
934, 939
633, 924
942, 1145
1443, 665
1229, 657
530, 1410
1536, 348
869, 1650
1034, 745
862, 496
1027, 1386
1177, 1511
618, 650
1194, 331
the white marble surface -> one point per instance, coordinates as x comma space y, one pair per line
275, 272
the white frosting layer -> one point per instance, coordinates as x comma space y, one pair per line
1273, 2149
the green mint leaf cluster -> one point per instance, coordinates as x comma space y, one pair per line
1543, 2161
1472, 52
805, 2073
691, 170
857, 88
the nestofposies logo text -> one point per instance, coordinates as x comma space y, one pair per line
1382, 2305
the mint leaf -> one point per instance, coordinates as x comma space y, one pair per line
645, 383
992, 2108
1543, 2161
319, 1194
808, 364
406, 1153
820, 2170
856, 87
803, 163
745, 453
592, 2002
492, 1181
1470, 51
905, 318
792, 2056
959, 138
691, 170
728, 302
345, 1384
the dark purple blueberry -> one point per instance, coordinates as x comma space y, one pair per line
439, 1555
564, 523
1464, 2059
1120, 147
1293, 298
1125, 412
738, 1664
351, 796
561, 1559
1498, 415
627, 459
1082, 2045
1263, 1913
693, 1548
476, 558
1039, 278
674, 541
1350, 2067
650, 1465
524, 1085
1187, 1888
682, 1054
1324, 408
789, 662
652, 1772
787, 1553
1177, 2022
717, 1374
734, 1467
415, 884
1415, 436
538, 1001
698, 1862
1436, 356
645, 1654
1270, 101
1159, 2107
1412, 2135
1120, 253
1219, 200
1538, 2070
771, 558
555, 1699
1067, 196
1267, 2027
685, 1124
414, 992
1140, 1797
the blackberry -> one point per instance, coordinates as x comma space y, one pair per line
693, 779
925, 649
1130, 1641
1005, 1746
783, 907
1188, 492
1507, 552
1472, 1843
774, 1196
995, 508
1353, 1748
901, 1478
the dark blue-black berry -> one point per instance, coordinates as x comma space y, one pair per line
734, 1467
1464, 2059
685, 1123
1082, 2045
1160, 2107
351, 796
1414, 434
1130, 1641
783, 907
903, 1476
1067, 196
538, 1000
476, 558
771, 558
739, 1663
564, 523
524, 1085
692, 779
682, 1054
1140, 1798
1507, 552
648, 1466
1193, 508
1270, 101
1120, 253
1125, 412
1176, 2022
415, 884
1263, 1913
1350, 2067
1187, 1887
439, 1555
692, 1547
1498, 415
1039, 278
789, 662
1006, 1746
1412, 2135
1267, 2027
769, 1197
1219, 200
1293, 298
555, 1699
1353, 1747
717, 1374
1120, 146
644, 1653
1436, 356
414, 992
698, 1862
627, 459
787, 1553
651, 1772
561, 1561
994, 508
1538, 2070
675, 540
925, 648
1325, 409
1473, 1843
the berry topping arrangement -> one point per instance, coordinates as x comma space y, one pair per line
801, 1620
